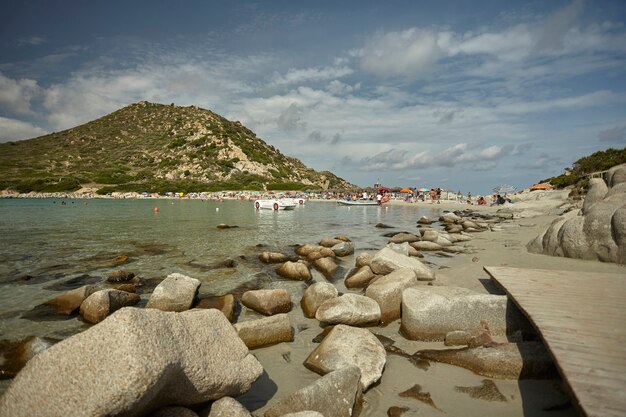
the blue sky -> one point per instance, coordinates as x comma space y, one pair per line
454, 94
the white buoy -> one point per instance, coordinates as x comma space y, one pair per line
217, 209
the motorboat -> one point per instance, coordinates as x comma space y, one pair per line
358, 202
275, 204
298, 201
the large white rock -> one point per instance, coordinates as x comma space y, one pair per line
315, 295
387, 292
343, 248
387, 260
267, 302
404, 237
333, 395
327, 266
363, 259
174, 293
228, 407
348, 346
265, 331
426, 245
134, 362
429, 313
350, 309
295, 270
401, 248
359, 277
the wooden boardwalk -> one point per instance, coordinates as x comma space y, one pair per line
581, 317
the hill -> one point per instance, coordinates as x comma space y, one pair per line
156, 148
596, 162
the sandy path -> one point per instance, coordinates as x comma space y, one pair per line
285, 372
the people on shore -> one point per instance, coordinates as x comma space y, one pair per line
432, 194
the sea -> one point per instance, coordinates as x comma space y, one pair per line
48, 246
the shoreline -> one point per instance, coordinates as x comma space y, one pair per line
504, 245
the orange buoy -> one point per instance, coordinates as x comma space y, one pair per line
156, 209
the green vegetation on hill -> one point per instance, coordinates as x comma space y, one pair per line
596, 162
155, 148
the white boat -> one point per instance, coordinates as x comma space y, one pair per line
298, 201
275, 204
358, 202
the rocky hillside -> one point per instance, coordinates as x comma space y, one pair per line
156, 148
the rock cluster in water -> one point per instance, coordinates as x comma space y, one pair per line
181, 356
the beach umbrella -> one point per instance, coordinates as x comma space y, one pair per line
406, 190
544, 186
423, 189
383, 189
501, 189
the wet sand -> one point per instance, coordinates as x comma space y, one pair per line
452, 390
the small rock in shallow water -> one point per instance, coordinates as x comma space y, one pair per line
120, 276
416, 392
488, 391
224, 303
120, 259
73, 283
225, 226
396, 411
16, 354
70, 301
100, 304
526, 360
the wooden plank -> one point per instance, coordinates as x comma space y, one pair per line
581, 316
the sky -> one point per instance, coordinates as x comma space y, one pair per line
463, 95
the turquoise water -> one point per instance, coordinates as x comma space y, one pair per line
47, 247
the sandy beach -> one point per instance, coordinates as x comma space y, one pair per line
437, 388
283, 362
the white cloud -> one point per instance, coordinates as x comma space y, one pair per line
95, 92
16, 95
408, 54
291, 118
338, 88
511, 45
304, 75
491, 152
11, 129
456, 155
556, 44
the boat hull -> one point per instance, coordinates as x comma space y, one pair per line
358, 203
274, 205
